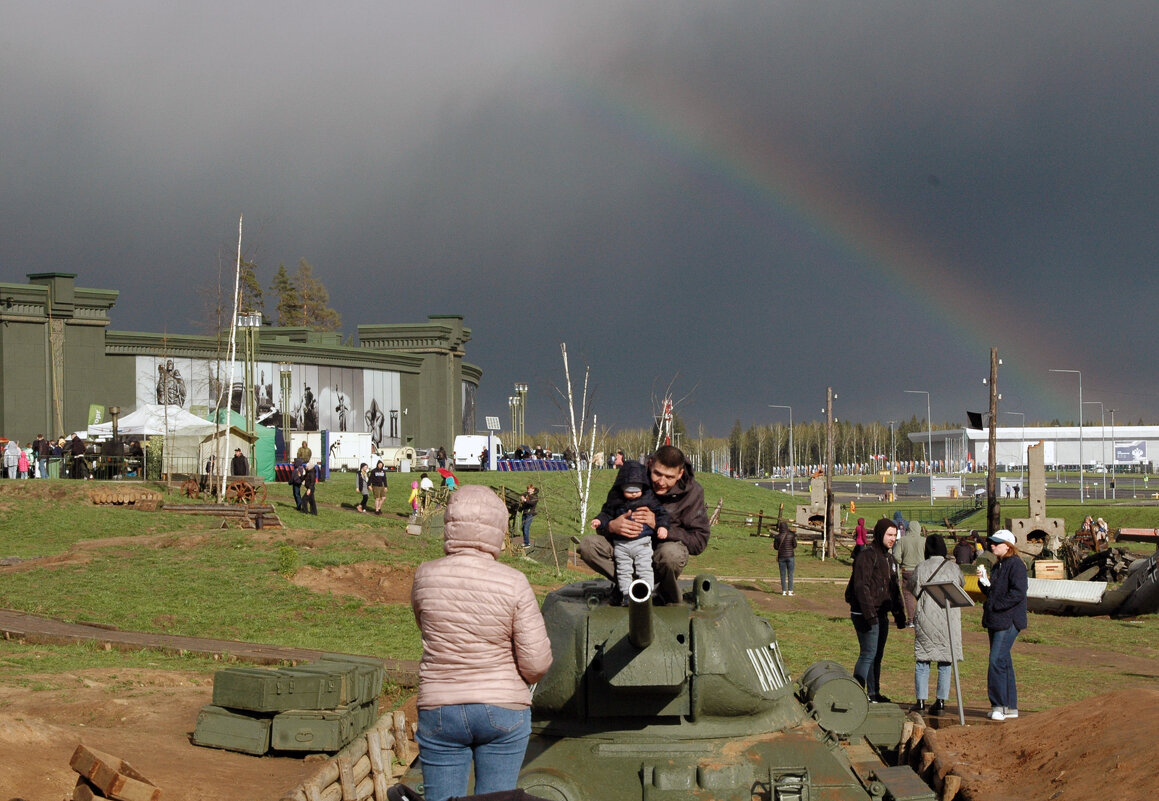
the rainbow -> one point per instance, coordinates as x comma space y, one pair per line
756, 175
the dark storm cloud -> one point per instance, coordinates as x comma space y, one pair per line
672, 188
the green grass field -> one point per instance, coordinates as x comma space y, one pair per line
160, 572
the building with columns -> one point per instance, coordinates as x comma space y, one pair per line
62, 367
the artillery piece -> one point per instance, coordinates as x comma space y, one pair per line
693, 701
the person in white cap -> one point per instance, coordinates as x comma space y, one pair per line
1003, 616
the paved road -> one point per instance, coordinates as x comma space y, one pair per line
30, 628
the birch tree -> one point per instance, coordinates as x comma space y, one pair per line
579, 431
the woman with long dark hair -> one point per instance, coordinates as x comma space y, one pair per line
873, 594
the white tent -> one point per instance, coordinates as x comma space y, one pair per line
155, 420
182, 432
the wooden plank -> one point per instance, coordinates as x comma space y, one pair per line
114, 777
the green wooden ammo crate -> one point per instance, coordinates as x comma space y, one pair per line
233, 731
350, 684
319, 729
374, 680
261, 690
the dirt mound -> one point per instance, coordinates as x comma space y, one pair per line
370, 581
143, 716
1098, 748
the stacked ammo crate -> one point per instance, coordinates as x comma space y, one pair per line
320, 706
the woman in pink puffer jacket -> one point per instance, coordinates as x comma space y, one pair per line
484, 642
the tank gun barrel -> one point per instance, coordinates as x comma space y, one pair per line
640, 614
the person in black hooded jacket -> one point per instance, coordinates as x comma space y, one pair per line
873, 593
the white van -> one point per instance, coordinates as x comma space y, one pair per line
469, 447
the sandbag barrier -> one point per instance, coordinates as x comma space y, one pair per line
365, 768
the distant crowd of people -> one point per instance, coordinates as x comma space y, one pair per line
73, 457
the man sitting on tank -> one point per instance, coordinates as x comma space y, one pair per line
670, 476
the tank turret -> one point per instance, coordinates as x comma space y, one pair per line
693, 700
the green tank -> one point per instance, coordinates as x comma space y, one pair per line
694, 701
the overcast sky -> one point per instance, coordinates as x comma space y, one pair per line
748, 201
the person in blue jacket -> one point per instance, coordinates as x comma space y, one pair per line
1003, 616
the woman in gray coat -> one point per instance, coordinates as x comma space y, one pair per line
933, 635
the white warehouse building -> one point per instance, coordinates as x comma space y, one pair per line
1126, 447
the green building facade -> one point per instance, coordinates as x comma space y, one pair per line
61, 366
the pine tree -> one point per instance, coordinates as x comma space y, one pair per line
289, 308
251, 299
315, 300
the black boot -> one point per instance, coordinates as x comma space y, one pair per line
938, 707
920, 706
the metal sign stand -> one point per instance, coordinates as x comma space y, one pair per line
950, 596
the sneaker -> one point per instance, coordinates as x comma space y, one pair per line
790, 592
997, 713
784, 592
1010, 713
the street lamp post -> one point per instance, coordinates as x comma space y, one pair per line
287, 381
929, 438
792, 454
1102, 442
892, 463
1114, 453
1080, 375
521, 409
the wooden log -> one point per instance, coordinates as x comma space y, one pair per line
346, 778
114, 777
381, 785
326, 776
365, 789
374, 751
355, 749
401, 742
907, 731
297, 794
380, 760
950, 787
331, 793
927, 758
360, 769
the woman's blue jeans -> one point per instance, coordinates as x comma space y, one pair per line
871, 636
1000, 675
787, 567
452, 738
922, 680
527, 528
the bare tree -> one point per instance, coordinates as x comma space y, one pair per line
578, 432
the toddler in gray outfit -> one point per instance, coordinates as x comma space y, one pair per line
632, 555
